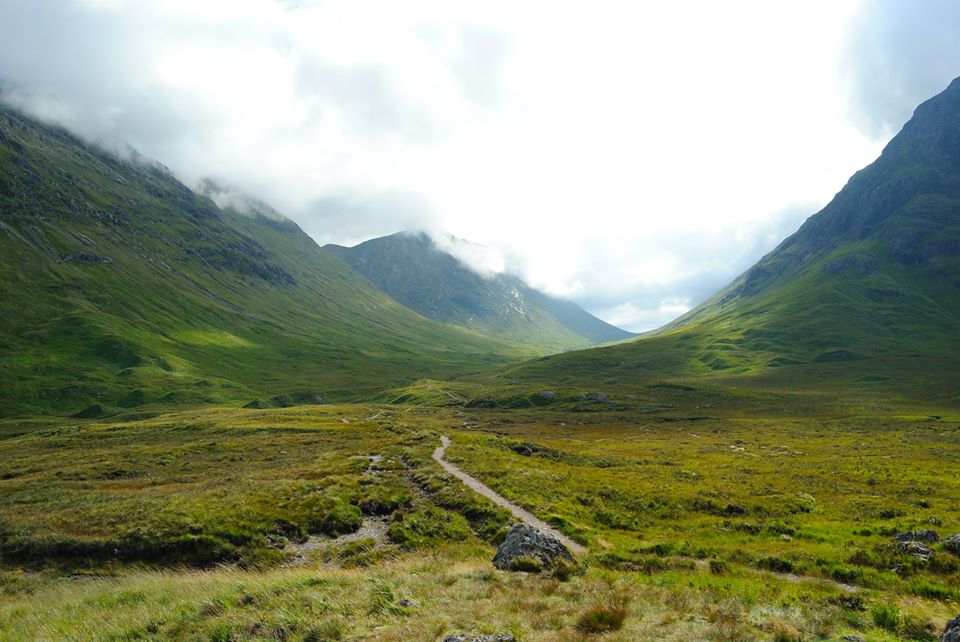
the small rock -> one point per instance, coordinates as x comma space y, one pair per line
594, 397
920, 552
408, 604
952, 544
467, 637
527, 549
853, 638
951, 632
927, 536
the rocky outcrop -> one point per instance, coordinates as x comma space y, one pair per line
527, 549
951, 632
952, 544
928, 536
920, 552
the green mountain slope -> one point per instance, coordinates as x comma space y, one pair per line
119, 286
415, 272
865, 294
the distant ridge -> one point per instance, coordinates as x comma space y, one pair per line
413, 270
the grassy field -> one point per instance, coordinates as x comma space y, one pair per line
222, 524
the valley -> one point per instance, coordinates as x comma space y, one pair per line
717, 528
214, 429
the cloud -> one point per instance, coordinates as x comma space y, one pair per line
622, 154
899, 54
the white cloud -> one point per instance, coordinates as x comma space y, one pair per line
629, 155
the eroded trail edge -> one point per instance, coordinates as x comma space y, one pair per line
479, 487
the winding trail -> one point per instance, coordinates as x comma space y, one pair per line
479, 487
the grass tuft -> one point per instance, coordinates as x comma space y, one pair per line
601, 619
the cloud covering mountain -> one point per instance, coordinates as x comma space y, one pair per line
601, 155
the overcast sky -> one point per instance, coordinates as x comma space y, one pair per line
633, 156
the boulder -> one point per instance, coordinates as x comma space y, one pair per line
544, 397
920, 552
468, 637
952, 544
951, 632
927, 536
527, 549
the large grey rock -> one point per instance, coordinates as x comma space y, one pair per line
951, 632
952, 544
467, 637
527, 549
927, 536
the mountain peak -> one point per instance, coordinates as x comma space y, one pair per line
416, 271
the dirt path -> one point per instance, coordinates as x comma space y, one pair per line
479, 487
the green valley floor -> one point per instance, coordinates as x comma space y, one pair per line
334, 523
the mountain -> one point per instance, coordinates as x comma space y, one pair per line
120, 287
414, 271
866, 293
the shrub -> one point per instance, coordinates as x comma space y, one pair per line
848, 601
329, 631
602, 619
925, 588
383, 600
776, 564
845, 574
427, 526
886, 616
784, 631
919, 630
382, 500
564, 570
719, 567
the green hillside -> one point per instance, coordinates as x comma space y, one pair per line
414, 271
121, 287
865, 296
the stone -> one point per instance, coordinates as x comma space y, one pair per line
467, 637
594, 397
951, 632
544, 397
853, 638
952, 544
927, 536
527, 549
920, 552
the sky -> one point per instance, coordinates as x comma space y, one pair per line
632, 156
